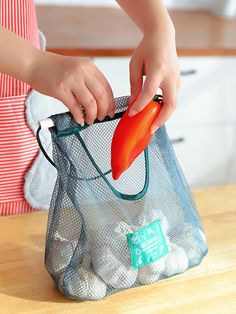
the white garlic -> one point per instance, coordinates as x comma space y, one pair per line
63, 242
106, 264
114, 232
191, 240
84, 284
149, 215
176, 262
59, 255
121, 228
114, 236
190, 247
151, 273
68, 227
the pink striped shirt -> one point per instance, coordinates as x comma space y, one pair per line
18, 146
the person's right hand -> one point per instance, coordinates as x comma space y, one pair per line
76, 82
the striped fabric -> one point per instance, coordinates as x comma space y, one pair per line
18, 146
19, 16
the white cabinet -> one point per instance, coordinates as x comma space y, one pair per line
207, 92
116, 70
205, 153
205, 118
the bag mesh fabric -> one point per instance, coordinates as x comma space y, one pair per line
87, 253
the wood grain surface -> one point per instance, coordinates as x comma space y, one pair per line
25, 286
107, 31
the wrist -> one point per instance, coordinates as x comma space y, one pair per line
162, 25
30, 64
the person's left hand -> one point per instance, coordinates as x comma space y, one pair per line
156, 58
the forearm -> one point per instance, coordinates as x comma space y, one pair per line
16, 55
148, 15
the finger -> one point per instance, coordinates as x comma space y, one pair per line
150, 87
99, 93
71, 103
169, 104
87, 101
109, 94
136, 80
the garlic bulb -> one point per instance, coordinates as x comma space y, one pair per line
192, 241
59, 254
149, 215
63, 242
112, 271
84, 284
176, 262
151, 273
114, 236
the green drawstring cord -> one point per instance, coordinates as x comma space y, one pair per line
52, 163
42, 148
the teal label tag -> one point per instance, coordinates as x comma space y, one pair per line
147, 245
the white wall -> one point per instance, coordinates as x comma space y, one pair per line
169, 3
78, 2
226, 8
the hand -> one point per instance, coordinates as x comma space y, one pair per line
156, 58
76, 82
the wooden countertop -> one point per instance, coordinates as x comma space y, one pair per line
107, 31
25, 286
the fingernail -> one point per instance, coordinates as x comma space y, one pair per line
153, 130
132, 113
101, 118
81, 122
111, 114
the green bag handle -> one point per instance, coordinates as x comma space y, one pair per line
76, 131
129, 197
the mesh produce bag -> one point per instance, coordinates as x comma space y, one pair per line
104, 236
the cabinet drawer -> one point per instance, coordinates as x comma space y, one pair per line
207, 91
205, 153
